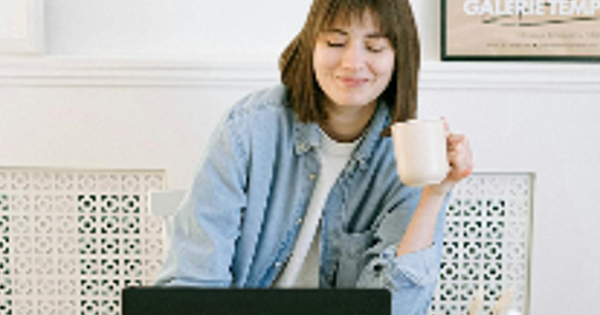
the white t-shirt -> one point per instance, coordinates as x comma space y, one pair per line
302, 269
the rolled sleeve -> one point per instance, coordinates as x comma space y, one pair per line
412, 278
415, 269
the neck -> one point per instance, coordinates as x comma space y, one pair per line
347, 123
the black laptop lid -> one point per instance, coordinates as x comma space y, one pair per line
198, 301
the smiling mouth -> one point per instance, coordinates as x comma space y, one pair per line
352, 82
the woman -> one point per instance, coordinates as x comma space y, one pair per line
299, 187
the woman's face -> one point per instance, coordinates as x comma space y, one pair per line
353, 63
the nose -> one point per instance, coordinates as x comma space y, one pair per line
353, 57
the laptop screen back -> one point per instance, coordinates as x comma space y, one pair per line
198, 301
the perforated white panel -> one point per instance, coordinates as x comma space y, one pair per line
70, 240
487, 243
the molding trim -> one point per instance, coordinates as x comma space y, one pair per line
549, 77
92, 72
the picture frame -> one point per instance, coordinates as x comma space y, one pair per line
22, 28
520, 30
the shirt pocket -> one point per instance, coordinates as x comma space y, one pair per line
353, 257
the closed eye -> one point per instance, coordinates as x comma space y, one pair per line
335, 44
376, 49
377, 44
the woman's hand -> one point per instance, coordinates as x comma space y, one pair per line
460, 158
421, 229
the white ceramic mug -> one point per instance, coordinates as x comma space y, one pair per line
420, 151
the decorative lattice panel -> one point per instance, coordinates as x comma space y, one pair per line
70, 240
487, 243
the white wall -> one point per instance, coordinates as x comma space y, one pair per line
172, 28
84, 106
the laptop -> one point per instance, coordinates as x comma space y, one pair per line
200, 301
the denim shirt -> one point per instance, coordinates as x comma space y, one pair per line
238, 224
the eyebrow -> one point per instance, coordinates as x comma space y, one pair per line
345, 33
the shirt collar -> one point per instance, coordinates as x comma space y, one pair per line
307, 137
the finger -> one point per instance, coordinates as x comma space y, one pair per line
455, 140
460, 153
461, 160
460, 169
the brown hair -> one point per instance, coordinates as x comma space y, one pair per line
397, 23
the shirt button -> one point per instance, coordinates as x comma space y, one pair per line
299, 221
312, 176
278, 264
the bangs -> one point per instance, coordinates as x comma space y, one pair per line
348, 11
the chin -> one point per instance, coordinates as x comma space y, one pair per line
346, 102
346, 99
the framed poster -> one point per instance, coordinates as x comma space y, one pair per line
532, 30
21, 27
